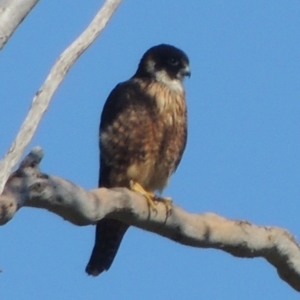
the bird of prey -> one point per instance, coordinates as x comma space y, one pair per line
143, 132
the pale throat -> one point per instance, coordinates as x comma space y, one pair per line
169, 94
175, 85
161, 76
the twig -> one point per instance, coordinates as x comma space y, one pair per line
43, 96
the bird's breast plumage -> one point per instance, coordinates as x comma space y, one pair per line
144, 141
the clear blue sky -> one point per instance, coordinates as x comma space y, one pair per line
242, 159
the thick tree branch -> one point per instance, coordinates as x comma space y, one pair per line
12, 13
43, 96
29, 187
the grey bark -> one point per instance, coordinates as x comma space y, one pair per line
28, 186
12, 13
56, 75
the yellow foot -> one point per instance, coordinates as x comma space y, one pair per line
151, 198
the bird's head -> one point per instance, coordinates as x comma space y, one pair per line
164, 63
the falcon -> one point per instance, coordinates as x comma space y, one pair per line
143, 132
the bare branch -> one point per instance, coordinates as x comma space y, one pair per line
43, 96
29, 187
12, 13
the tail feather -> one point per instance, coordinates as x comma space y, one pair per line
109, 234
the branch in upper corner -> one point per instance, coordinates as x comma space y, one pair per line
12, 13
43, 97
28, 186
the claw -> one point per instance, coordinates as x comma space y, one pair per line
168, 204
151, 198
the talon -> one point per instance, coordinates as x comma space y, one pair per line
150, 197
167, 201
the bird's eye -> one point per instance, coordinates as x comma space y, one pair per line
173, 61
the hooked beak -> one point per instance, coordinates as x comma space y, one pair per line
186, 71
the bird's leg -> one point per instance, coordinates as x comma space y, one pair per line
151, 197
